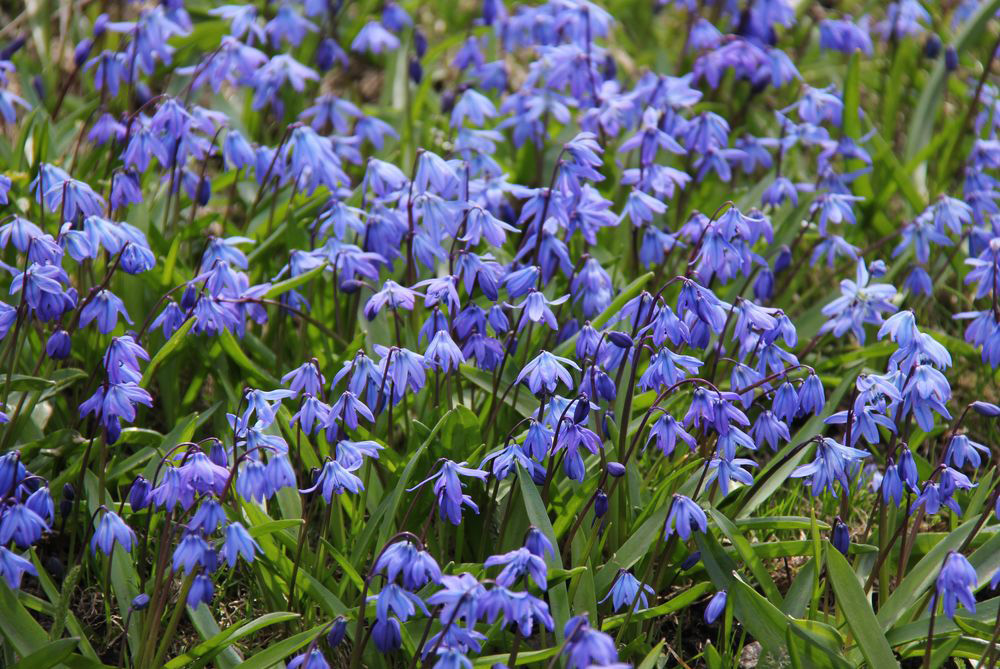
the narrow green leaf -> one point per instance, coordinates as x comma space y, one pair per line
48, 655
858, 611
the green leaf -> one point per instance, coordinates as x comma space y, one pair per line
916, 582
858, 611
203, 653
48, 655
17, 626
176, 339
282, 287
932, 97
279, 651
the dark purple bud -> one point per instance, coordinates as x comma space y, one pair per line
38, 85
325, 54
416, 71
538, 475
841, 536
985, 409
691, 560
58, 345
82, 51
138, 494
100, 25
600, 503
204, 192
419, 43
606, 389
950, 59
620, 339
447, 101
217, 454
783, 260
140, 602
69, 492
12, 48
190, 297
932, 47
337, 632
582, 410
616, 469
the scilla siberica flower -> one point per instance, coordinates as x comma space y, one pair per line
685, 515
448, 489
715, 607
545, 371
627, 589
834, 462
403, 559
585, 647
955, 583
111, 530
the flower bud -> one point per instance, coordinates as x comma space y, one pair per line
985, 409
190, 297
691, 560
950, 59
139, 493
419, 43
8, 51
841, 536
582, 410
58, 345
337, 632
82, 51
620, 339
100, 25
204, 192
932, 47
715, 607
140, 602
416, 71
217, 454
600, 503
325, 54
616, 469
783, 259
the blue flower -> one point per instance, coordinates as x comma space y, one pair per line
13, 567
336, 478
834, 462
624, 590
961, 448
238, 542
417, 567
684, 512
311, 659
112, 530
104, 308
202, 590
448, 489
375, 39
518, 562
585, 647
955, 583
715, 607
396, 600
545, 371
